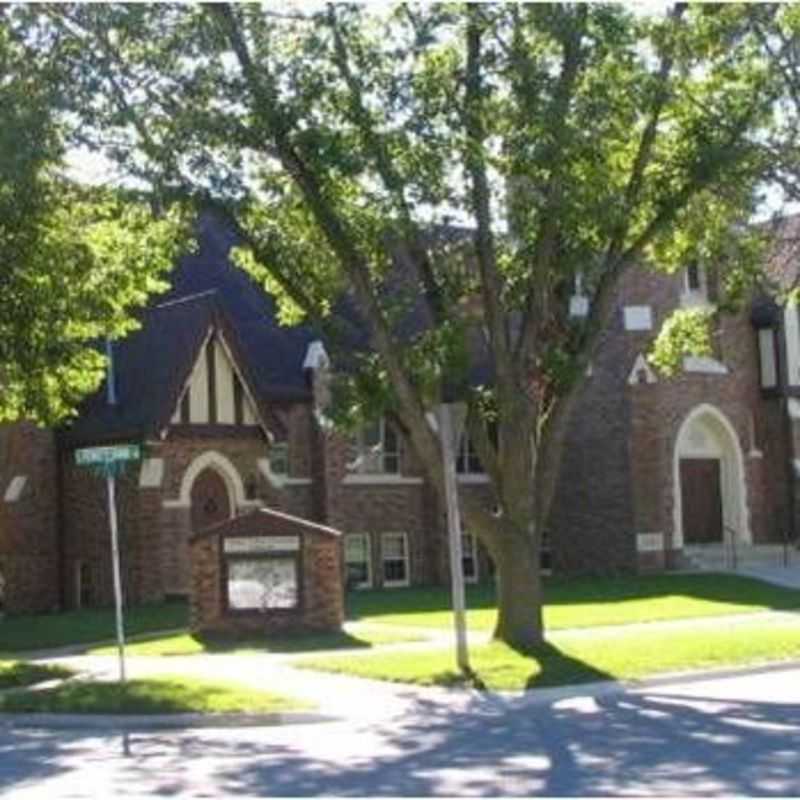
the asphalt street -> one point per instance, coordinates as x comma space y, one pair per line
720, 736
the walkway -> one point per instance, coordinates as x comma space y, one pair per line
723, 736
782, 576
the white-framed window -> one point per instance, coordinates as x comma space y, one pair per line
694, 288
768, 358
467, 461
376, 449
693, 277
358, 561
394, 559
469, 557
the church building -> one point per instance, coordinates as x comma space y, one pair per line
659, 473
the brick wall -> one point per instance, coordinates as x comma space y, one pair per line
590, 528
617, 476
155, 523
29, 526
321, 603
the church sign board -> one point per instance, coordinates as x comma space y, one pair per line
266, 572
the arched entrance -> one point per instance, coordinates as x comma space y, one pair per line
708, 472
210, 501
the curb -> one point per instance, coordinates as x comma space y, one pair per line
136, 722
552, 694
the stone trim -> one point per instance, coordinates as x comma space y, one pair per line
279, 481
649, 542
229, 473
472, 477
380, 479
740, 497
704, 364
151, 475
15, 488
640, 366
638, 318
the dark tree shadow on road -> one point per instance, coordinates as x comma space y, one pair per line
654, 742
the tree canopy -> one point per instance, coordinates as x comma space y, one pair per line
76, 259
503, 154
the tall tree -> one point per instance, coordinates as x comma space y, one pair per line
75, 260
777, 30
501, 152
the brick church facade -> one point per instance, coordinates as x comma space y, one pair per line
224, 403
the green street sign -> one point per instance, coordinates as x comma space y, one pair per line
106, 456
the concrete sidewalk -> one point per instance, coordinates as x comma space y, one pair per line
788, 576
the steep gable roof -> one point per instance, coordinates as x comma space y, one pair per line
152, 365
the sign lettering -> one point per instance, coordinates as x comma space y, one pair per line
261, 544
96, 456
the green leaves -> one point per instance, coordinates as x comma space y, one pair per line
686, 332
607, 140
81, 265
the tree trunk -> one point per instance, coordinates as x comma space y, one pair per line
519, 592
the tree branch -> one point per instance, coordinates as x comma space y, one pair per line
268, 110
390, 177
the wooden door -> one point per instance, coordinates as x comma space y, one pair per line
701, 500
210, 503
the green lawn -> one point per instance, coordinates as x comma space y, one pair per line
576, 658
38, 631
186, 644
21, 673
148, 696
584, 602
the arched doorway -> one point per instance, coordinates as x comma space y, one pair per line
210, 500
708, 470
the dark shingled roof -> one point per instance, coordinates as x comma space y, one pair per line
152, 364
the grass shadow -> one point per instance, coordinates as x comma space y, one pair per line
414, 600
671, 595
712, 587
289, 643
556, 668
196, 643
25, 632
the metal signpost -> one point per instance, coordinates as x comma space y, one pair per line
451, 424
109, 462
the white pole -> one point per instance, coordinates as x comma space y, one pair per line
454, 536
112, 517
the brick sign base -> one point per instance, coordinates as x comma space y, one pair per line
266, 572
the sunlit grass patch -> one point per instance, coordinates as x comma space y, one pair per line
584, 602
578, 658
148, 696
22, 673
